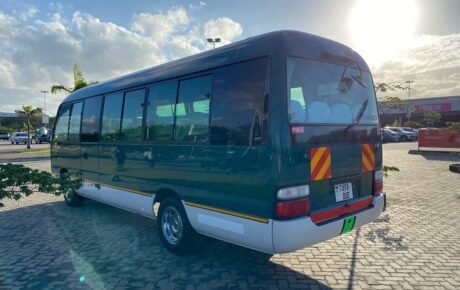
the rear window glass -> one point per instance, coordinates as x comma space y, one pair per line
326, 93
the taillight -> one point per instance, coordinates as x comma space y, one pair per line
293, 202
378, 182
293, 208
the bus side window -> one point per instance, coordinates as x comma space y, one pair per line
90, 120
238, 104
62, 123
160, 112
111, 117
131, 124
75, 122
194, 94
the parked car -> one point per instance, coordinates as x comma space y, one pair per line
42, 135
19, 137
403, 134
389, 136
4, 135
413, 130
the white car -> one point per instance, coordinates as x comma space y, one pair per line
19, 137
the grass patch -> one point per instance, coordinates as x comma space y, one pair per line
35, 151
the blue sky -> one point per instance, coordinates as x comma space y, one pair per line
41, 40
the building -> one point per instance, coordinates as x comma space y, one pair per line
414, 109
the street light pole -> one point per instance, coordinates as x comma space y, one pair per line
213, 41
409, 111
44, 109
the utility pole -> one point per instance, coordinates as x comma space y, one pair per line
213, 41
409, 108
44, 119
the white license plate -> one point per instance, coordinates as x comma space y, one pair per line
343, 191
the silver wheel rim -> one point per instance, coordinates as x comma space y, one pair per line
172, 225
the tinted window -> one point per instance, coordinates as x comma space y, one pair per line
90, 120
326, 93
238, 104
133, 109
75, 122
194, 95
160, 112
111, 117
62, 123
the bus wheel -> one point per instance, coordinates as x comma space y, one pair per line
176, 233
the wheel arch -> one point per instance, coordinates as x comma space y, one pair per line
162, 193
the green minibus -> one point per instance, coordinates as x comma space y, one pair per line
272, 143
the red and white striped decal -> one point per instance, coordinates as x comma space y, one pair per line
320, 164
367, 157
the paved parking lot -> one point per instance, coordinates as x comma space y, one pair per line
414, 245
16, 153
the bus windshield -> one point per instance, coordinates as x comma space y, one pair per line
327, 93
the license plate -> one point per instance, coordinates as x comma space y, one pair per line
343, 191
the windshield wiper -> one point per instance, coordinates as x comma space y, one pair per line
346, 83
358, 116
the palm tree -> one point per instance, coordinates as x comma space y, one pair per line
79, 82
28, 111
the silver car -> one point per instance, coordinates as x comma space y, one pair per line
19, 137
403, 134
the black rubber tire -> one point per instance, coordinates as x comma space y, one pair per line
186, 243
73, 199
454, 168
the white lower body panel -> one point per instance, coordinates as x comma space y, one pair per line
241, 231
292, 235
270, 236
130, 201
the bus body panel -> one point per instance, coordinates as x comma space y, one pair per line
289, 236
230, 191
243, 231
136, 202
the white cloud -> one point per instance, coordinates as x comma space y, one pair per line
434, 65
28, 13
36, 54
225, 28
160, 26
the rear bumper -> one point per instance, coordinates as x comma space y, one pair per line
296, 234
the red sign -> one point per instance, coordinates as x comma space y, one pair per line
438, 139
442, 107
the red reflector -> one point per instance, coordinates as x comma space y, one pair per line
293, 208
378, 187
339, 211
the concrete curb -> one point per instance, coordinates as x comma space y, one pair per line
25, 159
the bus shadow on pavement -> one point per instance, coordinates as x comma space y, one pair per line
101, 247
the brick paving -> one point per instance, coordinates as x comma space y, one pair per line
414, 245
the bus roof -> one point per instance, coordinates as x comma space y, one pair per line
274, 44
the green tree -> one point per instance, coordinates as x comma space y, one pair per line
431, 118
412, 124
79, 82
388, 104
453, 126
18, 181
28, 112
384, 87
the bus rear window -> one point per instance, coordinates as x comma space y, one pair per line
326, 93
